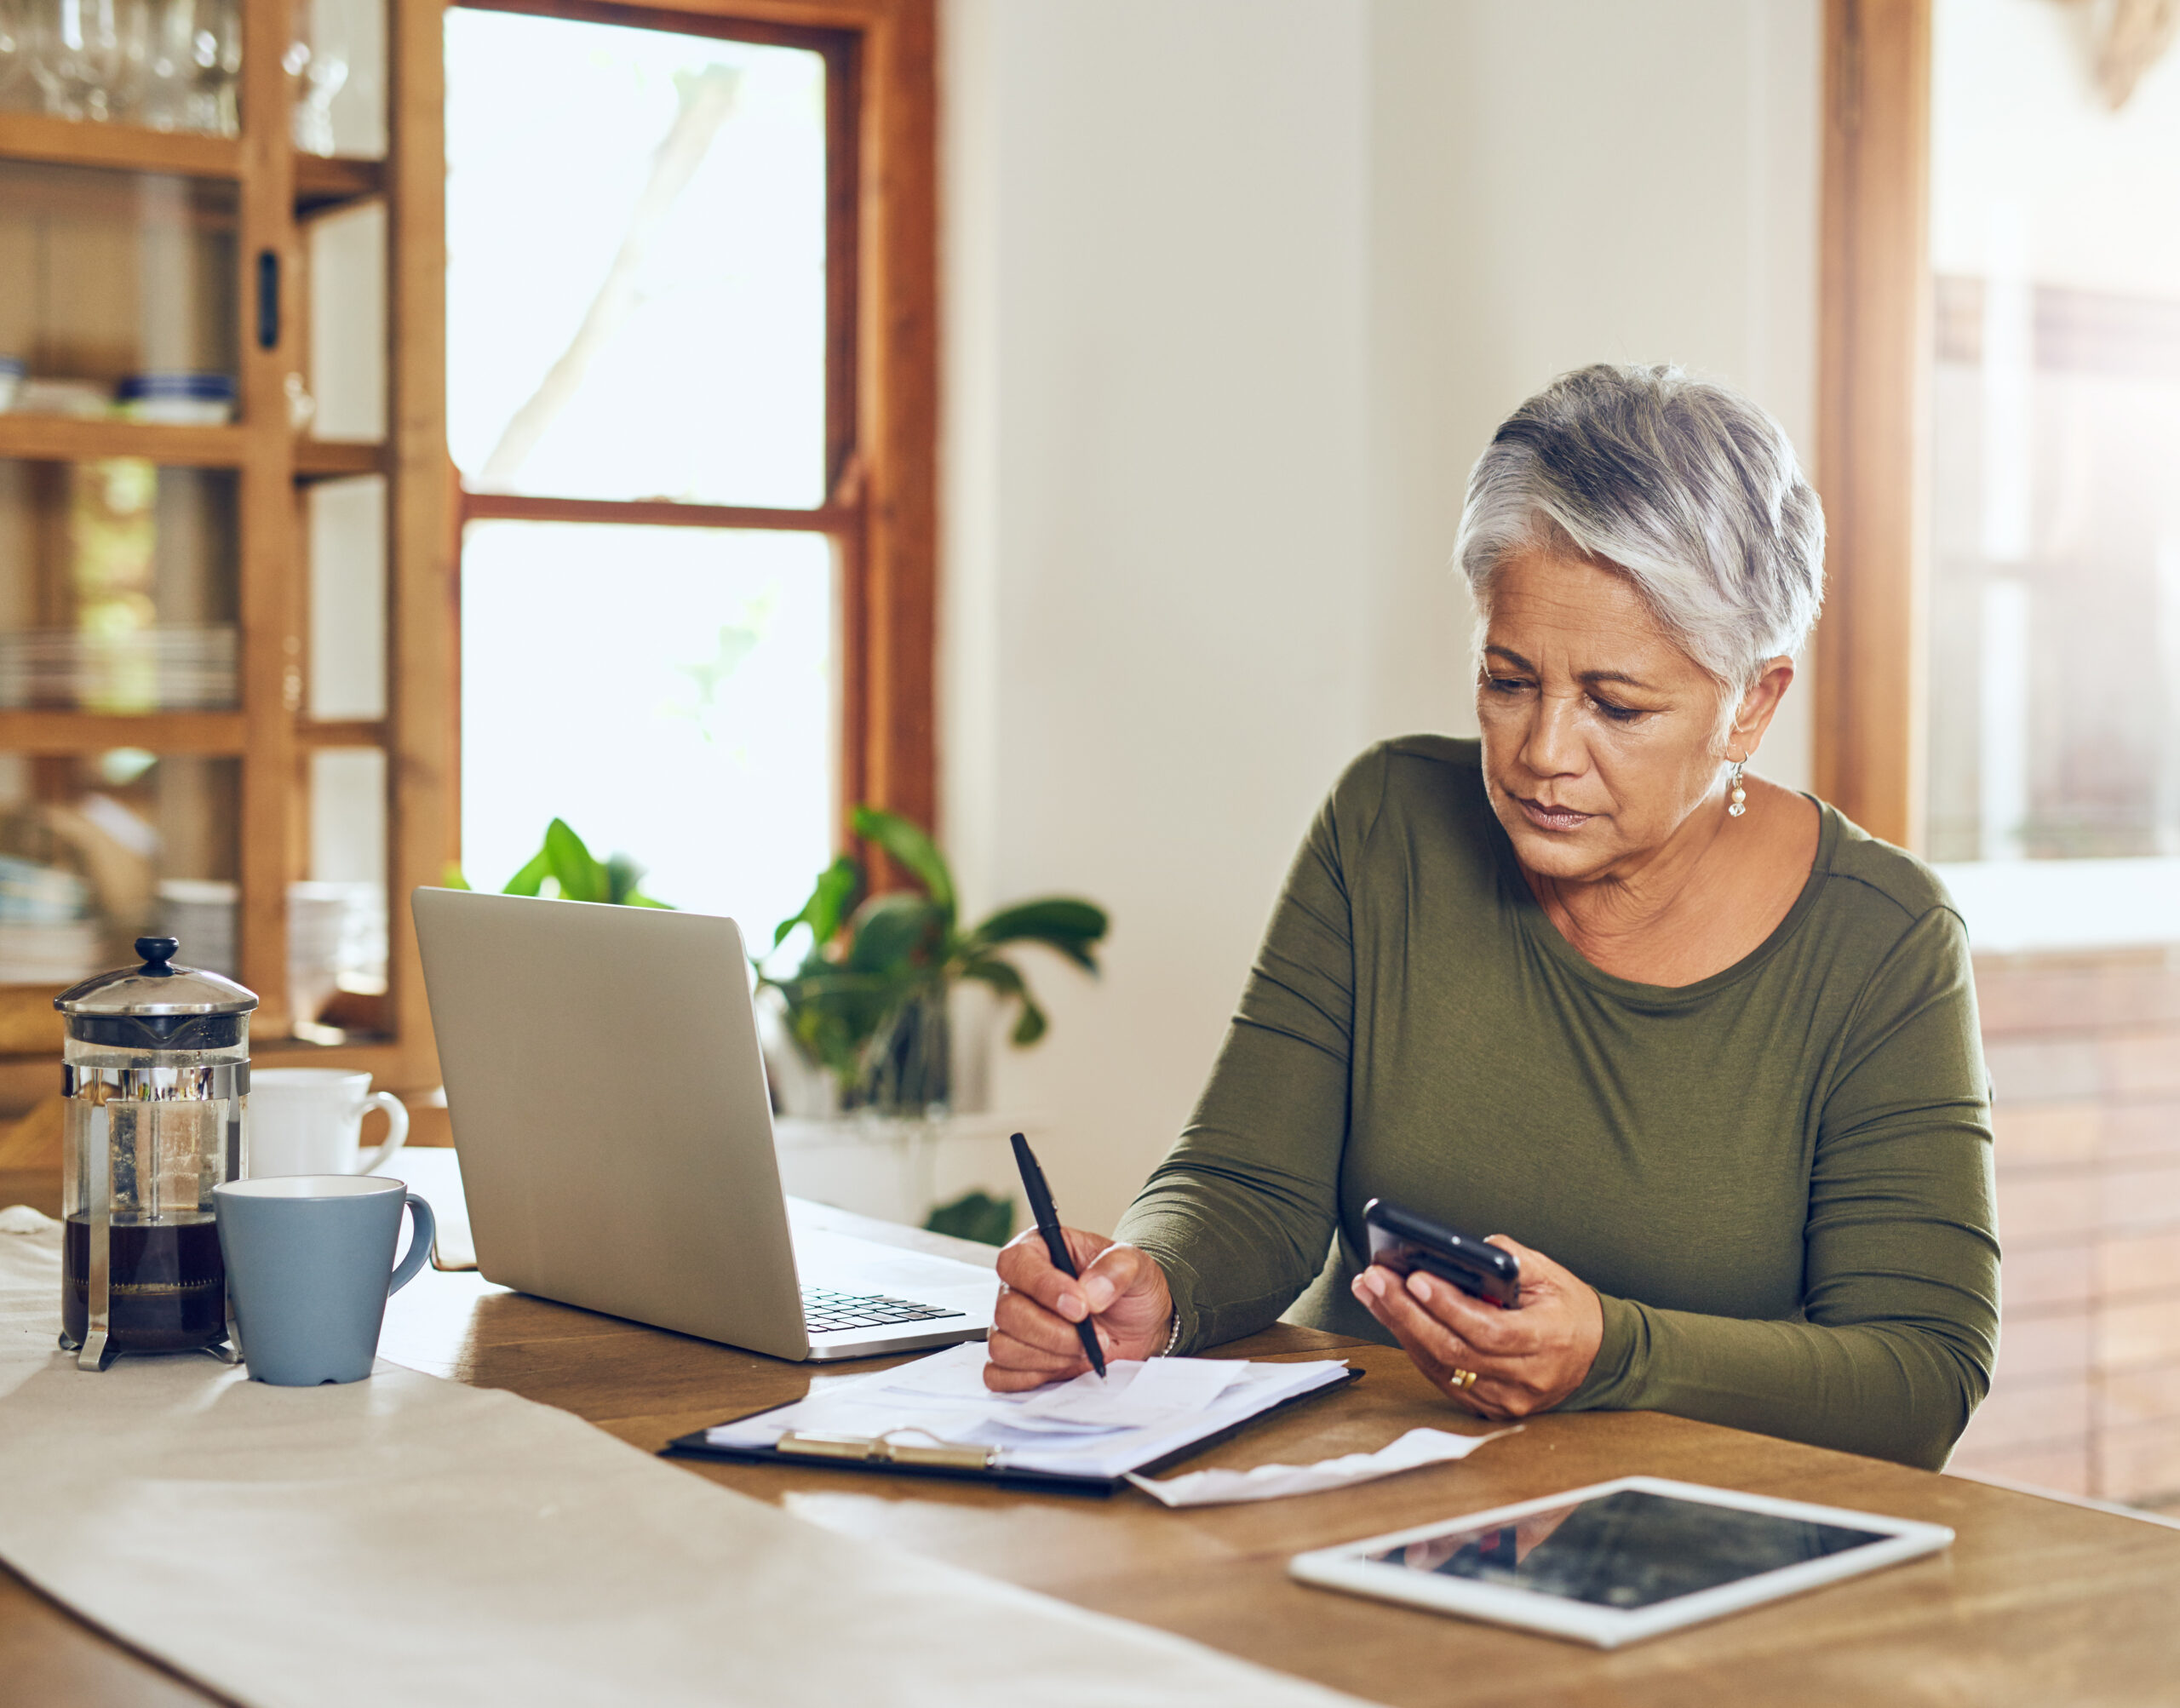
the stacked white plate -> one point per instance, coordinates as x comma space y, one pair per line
46, 935
168, 666
200, 912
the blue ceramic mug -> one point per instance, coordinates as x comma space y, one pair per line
310, 1267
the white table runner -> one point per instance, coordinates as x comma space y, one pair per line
408, 1540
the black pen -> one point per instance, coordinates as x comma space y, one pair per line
1048, 1220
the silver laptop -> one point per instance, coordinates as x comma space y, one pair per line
615, 1131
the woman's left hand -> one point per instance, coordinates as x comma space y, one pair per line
1524, 1360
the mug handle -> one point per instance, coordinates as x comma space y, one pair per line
397, 1117
423, 1229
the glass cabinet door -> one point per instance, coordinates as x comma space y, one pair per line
97, 850
118, 294
117, 586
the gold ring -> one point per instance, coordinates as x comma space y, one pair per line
1463, 1378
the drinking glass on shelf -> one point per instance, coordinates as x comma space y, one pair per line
171, 66
88, 55
215, 55
15, 48
319, 57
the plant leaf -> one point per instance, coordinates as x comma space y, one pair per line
1003, 977
1065, 924
1032, 1025
531, 878
912, 849
838, 889
580, 876
623, 876
833, 1014
893, 933
451, 878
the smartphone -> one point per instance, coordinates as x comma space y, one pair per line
1404, 1241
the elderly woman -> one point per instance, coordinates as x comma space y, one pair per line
1706, 1052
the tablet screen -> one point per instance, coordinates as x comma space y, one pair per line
1628, 1548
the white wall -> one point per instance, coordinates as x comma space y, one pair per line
1235, 291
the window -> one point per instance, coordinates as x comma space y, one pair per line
1999, 667
697, 537
2054, 639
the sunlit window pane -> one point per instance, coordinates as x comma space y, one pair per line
666, 691
636, 294
2055, 590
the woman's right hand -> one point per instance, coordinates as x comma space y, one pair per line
1122, 1291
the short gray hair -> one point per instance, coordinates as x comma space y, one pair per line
1687, 487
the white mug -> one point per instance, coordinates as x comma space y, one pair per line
310, 1120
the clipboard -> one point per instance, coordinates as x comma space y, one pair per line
967, 1462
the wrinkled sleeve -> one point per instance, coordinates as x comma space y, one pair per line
1899, 1325
1240, 1215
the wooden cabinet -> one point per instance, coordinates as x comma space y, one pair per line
226, 649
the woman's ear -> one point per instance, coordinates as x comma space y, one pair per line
1752, 717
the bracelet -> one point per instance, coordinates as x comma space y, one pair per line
1174, 1338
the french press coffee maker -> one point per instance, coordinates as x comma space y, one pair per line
155, 1071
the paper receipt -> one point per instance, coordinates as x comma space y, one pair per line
1271, 1481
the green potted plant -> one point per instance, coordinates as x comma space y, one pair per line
574, 874
868, 1003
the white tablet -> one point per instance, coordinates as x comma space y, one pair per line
1620, 1560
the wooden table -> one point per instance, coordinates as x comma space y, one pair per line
2039, 1601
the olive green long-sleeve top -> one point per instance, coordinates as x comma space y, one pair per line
1778, 1179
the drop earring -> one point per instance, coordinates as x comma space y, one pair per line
1737, 795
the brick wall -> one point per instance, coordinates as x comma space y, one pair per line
2085, 1055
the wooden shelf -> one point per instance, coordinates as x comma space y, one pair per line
349, 732
331, 459
126, 147
73, 439
69, 439
28, 731
24, 731
322, 184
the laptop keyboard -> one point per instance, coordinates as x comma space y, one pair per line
827, 1312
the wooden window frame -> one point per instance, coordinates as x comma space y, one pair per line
882, 413
1871, 665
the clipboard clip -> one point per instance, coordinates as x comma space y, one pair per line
884, 1450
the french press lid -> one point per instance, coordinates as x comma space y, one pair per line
158, 1006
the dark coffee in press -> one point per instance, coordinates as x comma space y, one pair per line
167, 1285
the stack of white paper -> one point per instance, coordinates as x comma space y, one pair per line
1092, 1426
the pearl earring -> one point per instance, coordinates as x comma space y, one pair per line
1737, 796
